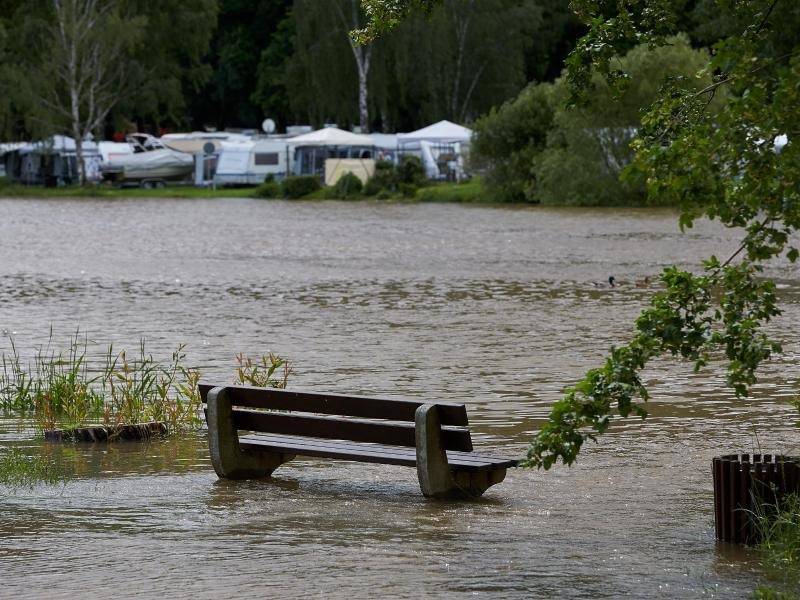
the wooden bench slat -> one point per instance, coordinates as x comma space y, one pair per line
356, 430
337, 404
335, 449
463, 457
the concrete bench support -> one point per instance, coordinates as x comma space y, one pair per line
436, 478
229, 460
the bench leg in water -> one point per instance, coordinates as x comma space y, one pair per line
436, 478
229, 460
472, 485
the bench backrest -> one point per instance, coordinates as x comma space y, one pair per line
341, 417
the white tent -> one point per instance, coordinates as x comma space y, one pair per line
443, 132
331, 136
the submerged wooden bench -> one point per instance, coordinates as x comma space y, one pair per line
281, 424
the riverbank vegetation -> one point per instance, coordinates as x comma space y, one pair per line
69, 388
108, 191
537, 149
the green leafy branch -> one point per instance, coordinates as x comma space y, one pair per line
714, 158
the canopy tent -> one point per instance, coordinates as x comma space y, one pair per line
312, 150
443, 132
440, 147
331, 136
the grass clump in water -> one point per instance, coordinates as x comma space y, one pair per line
780, 549
18, 469
60, 390
260, 373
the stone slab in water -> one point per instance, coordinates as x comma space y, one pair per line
103, 433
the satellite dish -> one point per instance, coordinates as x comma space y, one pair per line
268, 126
209, 148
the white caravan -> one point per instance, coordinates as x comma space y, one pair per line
249, 163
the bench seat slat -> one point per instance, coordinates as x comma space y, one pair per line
382, 448
460, 461
356, 430
337, 404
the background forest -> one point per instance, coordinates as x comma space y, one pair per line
492, 64
230, 63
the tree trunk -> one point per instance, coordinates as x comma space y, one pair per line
362, 60
362, 54
462, 15
80, 159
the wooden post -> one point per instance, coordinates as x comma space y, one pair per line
229, 460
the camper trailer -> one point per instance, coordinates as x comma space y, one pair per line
250, 163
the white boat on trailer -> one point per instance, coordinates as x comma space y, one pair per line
152, 163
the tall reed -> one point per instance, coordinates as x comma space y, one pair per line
60, 390
779, 530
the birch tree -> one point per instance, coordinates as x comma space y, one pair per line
81, 67
362, 53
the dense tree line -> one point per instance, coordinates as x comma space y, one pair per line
535, 148
229, 63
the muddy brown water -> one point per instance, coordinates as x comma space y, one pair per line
495, 307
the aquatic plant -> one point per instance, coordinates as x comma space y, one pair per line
18, 469
779, 528
56, 388
138, 390
260, 373
60, 391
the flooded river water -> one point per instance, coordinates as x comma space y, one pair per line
494, 307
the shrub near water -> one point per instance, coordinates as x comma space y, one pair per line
390, 180
269, 189
348, 186
299, 186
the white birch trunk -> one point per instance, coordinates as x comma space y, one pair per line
362, 55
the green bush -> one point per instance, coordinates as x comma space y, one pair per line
348, 186
268, 189
299, 186
535, 149
589, 148
508, 139
385, 179
410, 171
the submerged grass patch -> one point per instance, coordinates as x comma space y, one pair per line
18, 469
780, 549
60, 390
